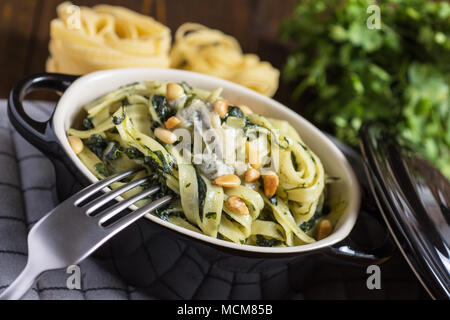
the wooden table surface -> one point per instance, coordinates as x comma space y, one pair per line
24, 28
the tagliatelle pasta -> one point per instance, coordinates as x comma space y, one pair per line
198, 48
129, 127
105, 37
86, 39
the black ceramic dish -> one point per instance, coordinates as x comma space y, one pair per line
70, 179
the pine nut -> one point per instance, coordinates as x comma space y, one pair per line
270, 180
173, 91
221, 107
172, 122
236, 205
165, 135
246, 110
324, 229
76, 144
253, 155
227, 181
251, 175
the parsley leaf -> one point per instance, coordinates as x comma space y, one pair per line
350, 74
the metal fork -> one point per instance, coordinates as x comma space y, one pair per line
72, 231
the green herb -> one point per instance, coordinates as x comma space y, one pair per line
112, 151
87, 123
157, 162
398, 74
186, 87
189, 100
162, 107
249, 125
165, 213
288, 140
227, 216
133, 153
125, 102
233, 112
211, 215
97, 144
201, 194
265, 242
303, 146
117, 120
100, 168
308, 225
294, 161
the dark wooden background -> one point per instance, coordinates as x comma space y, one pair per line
24, 27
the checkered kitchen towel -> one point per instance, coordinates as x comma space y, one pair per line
147, 263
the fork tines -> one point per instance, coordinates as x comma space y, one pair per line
97, 207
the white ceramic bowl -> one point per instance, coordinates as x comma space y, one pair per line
89, 87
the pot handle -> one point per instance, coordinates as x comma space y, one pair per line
40, 134
350, 251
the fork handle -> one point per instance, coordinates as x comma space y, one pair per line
22, 284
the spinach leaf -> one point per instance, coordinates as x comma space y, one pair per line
157, 162
133, 153
117, 120
211, 215
186, 87
189, 100
308, 225
97, 144
87, 123
249, 126
162, 108
233, 111
165, 213
112, 151
201, 195
265, 242
125, 102
155, 124
100, 168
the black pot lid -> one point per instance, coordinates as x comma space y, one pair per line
414, 199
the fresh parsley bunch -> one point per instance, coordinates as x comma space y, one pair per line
399, 74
